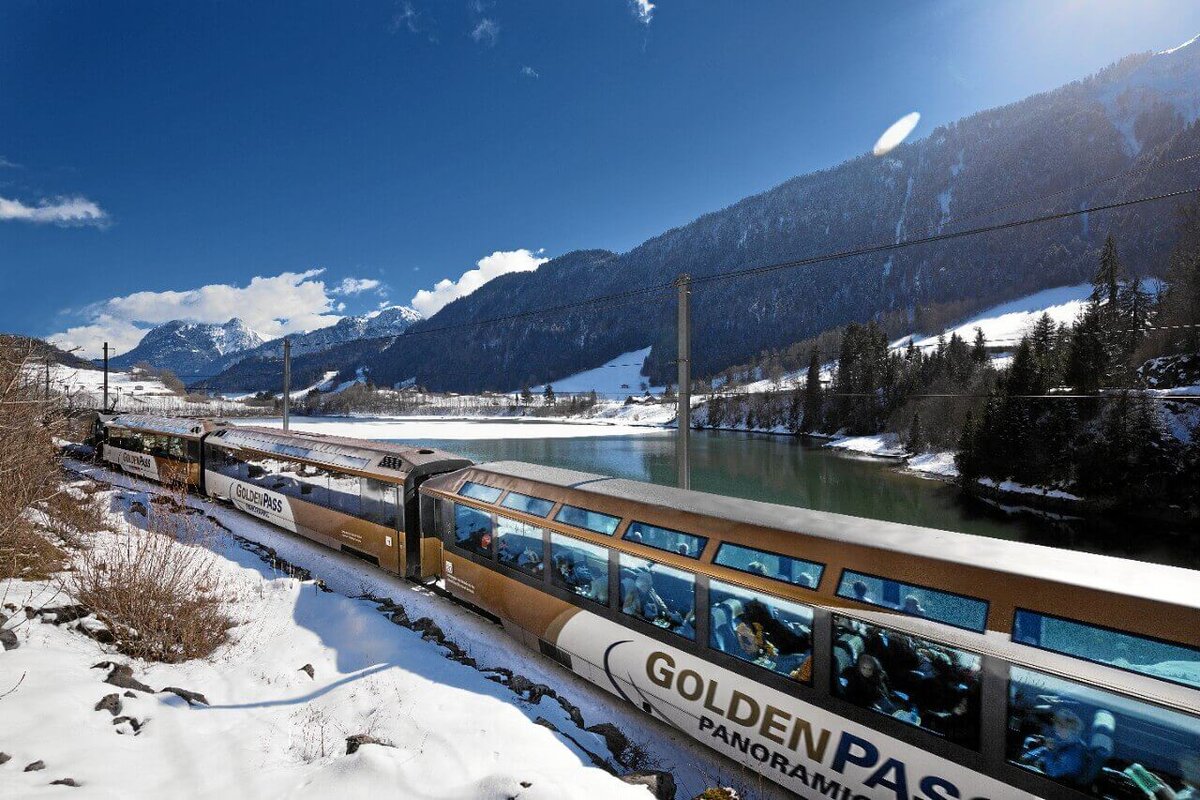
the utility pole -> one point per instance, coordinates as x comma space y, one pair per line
287, 381
683, 414
105, 408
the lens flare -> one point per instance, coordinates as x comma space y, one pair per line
896, 134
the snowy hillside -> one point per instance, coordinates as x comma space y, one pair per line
615, 379
1005, 324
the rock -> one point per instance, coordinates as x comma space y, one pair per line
193, 698
95, 629
312, 673
572, 711
660, 784
359, 739
718, 793
617, 742
5, 758
534, 692
137, 507
122, 675
130, 694
58, 615
399, 618
9, 639
12, 607
110, 703
133, 723
35, 766
65, 782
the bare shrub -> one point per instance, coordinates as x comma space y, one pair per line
159, 589
69, 517
29, 469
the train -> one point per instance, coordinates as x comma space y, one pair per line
837, 656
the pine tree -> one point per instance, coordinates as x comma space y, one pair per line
914, 439
1134, 304
526, 394
979, 354
813, 400
548, 395
1107, 281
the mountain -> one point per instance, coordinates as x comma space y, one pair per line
189, 348
339, 346
1133, 119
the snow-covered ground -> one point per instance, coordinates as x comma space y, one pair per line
127, 392
425, 427
883, 445
269, 730
616, 379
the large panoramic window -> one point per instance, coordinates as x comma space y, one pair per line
579, 567
774, 633
519, 546
684, 544
473, 530
658, 594
915, 601
794, 571
477, 491
921, 683
1100, 743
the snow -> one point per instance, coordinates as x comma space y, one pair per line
617, 378
463, 428
271, 731
1017, 488
940, 464
883, 445
1179, 47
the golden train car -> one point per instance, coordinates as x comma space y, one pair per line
841, 657
162, 449
349, 494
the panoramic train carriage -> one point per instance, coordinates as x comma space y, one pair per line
349, 494
841, 657
162, 449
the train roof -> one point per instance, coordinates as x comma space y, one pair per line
1105, 573
171, 426
361, 455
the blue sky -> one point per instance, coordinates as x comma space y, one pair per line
207, 159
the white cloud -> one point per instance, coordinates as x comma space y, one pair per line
5, 163
286, 303
530, 72
486, 31
406, 17
356, 286
501, 262
60, 211
643, 10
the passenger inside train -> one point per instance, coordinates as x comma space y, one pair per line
1103, 744
768, 631
579, 567
928, 685
659, 595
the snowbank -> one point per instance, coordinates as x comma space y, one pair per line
882, 445
272, 731
939, 465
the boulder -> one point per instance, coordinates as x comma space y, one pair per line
95, 629
660, 784
617, 742
133, 723
122, 675
110, 703
192, 698
308, 668
359, 739
9, 639
5, 758
57, 615
65, 782
35, 766
572, 711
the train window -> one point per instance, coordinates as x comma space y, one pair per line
488, 494
684, 544
473, 530
193, 450
922, 683
590, 520
223, 462
530, 505
1100, 743
773, 633
345, 493
794, 571
520, 546
658, 594
579, 567
380, 502
915, 601
1171, 662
